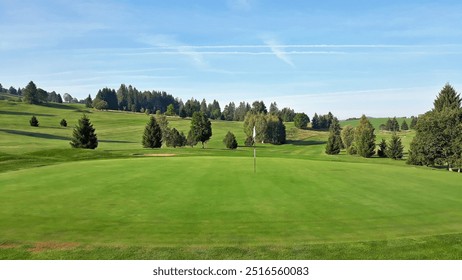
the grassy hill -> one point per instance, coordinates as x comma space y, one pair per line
113, 203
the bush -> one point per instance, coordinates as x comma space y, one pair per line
249, 141
63, 123
84, 135
34, 121
230, 141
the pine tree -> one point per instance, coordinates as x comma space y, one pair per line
34, 121
382, 149
315, 121
447, 98
395, 148
365, 138
230, 141
63, 123
30, 93
404, 125
334, 142
201, 127
152, 137
84, 135
413, 122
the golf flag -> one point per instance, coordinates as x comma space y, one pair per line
254, 151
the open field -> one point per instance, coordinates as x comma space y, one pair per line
111, 203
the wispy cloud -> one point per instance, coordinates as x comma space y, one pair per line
170, 42
279, 52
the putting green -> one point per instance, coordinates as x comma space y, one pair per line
217, 200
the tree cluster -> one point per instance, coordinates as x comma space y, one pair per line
438, 139
269, 128
322, 121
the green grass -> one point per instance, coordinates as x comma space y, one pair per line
111, 203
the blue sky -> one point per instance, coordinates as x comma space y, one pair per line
379, 58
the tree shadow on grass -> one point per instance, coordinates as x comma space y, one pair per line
25, 114
305, 142
116, 141
55, 137
35, 134
57, 106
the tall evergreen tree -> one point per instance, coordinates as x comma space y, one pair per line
88, 102
84, 135
334, 142
438, 132
394, 148
413, 122
404, 125
30, 93
365, 138
201, 128
315, 122
152, 136
447, 98
382, 149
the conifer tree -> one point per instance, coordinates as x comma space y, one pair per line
334, 142
230, 141
404, 125
365, 138
34, 121
152, 137
382, 148
201, 128
84, 135
395, 148
63, 123
447, 98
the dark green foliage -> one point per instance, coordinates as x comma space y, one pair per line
88, 102
274, 109
249, 142
322, 121
84, 135
392, 125
229, 112
404, 125
34, 121
259, 107
437, 136
447, 99
315, 121
348, 136
382, 149
152, 136
214, 110
365, 138
182, 113
394, 148
276, 130
334, 142
230, 141
301, 120
413, 122
201, 128
191, 139
30, 94
63, 123
110, 97
175, 138
287, 114
439, 133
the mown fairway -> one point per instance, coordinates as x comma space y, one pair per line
61, 203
